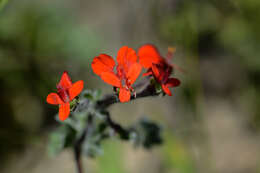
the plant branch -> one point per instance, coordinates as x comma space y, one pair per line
78, 144
113, 98
123, 133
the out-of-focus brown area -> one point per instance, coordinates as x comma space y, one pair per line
211, 124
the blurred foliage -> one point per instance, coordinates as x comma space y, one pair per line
210, 31
148, 134
177, 156
3, 3
60, 139
36, 44
111, 160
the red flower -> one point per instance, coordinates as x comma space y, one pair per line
66, 93
158, 66
127, 71
161, 73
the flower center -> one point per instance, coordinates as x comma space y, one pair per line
64, 94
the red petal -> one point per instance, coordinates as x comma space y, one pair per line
148, 73
148, 54
173, 82
76, 89
166, 90
124, 95
156, 72
110, 78
126, 56
64, 111
102, 63
134, 72
54, 99
65, 81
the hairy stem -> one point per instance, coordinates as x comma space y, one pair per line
78, 144
123, 133
113, 98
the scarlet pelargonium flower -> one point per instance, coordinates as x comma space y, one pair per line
161, 73
67, 91
149, 54
158, 66
127, 71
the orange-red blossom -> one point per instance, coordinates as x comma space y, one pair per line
67, 91
159, 67
122, 75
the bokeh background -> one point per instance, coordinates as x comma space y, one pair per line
211, 124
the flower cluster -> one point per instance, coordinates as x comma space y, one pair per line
120, 74
129, 68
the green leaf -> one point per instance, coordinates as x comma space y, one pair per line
158, 86
152, 133
92, 94
97, 94
91, 148
92, 145
61, 138
147, 134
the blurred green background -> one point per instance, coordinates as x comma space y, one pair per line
211, 124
